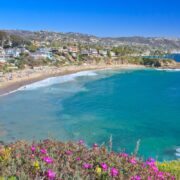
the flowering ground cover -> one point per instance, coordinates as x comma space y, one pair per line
56, 160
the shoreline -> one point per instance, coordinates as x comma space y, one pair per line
42, 73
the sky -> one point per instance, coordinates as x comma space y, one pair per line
104, 18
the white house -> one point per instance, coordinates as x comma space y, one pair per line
2, 59
85, 52
112, 54
2, 52
41, 55
103, 52
93, 51
13, 52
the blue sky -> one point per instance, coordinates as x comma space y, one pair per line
98, 17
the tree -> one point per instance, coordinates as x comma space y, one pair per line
16, 40
32, 48
3, 38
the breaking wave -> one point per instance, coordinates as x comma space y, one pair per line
57, 80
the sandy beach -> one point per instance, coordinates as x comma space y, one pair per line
12, 81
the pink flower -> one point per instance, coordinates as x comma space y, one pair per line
133, 161
151, 160
43, 151
78, 159
104, 166
33, 148
136, 178
161, 175
87, 166
32, 156
81, 142
123, 155
68, 152
51, 174
95, 145
155, 169
48, 160
143, 165
114, 172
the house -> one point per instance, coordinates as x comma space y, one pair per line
74, 55
93, 52
2, 55
41, 55
103, 52
112, 54
85, 52
2, 52
2, 59
44, 50
145, 53
175, 51
73, 49
12, 52
23, 50
60, 49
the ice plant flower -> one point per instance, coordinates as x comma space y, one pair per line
133, 161
33, 148
68, 152
43, 151
78, 159
155, 169
32, 156
80, 142
98, 170
114, 172
95, 145
161, 175
48, 160
87, 166
123, 155
136, 178
151, 160
51, 174
104, 166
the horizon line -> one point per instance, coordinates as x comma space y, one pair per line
87, 34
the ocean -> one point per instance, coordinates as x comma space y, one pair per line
176, 57
129, 105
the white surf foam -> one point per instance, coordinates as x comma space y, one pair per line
56, 80
177, 152
169, 70
6, 94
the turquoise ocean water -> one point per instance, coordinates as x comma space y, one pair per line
174, 56
93, 105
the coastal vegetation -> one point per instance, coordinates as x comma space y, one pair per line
50, 159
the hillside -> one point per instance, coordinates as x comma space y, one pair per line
153, 42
